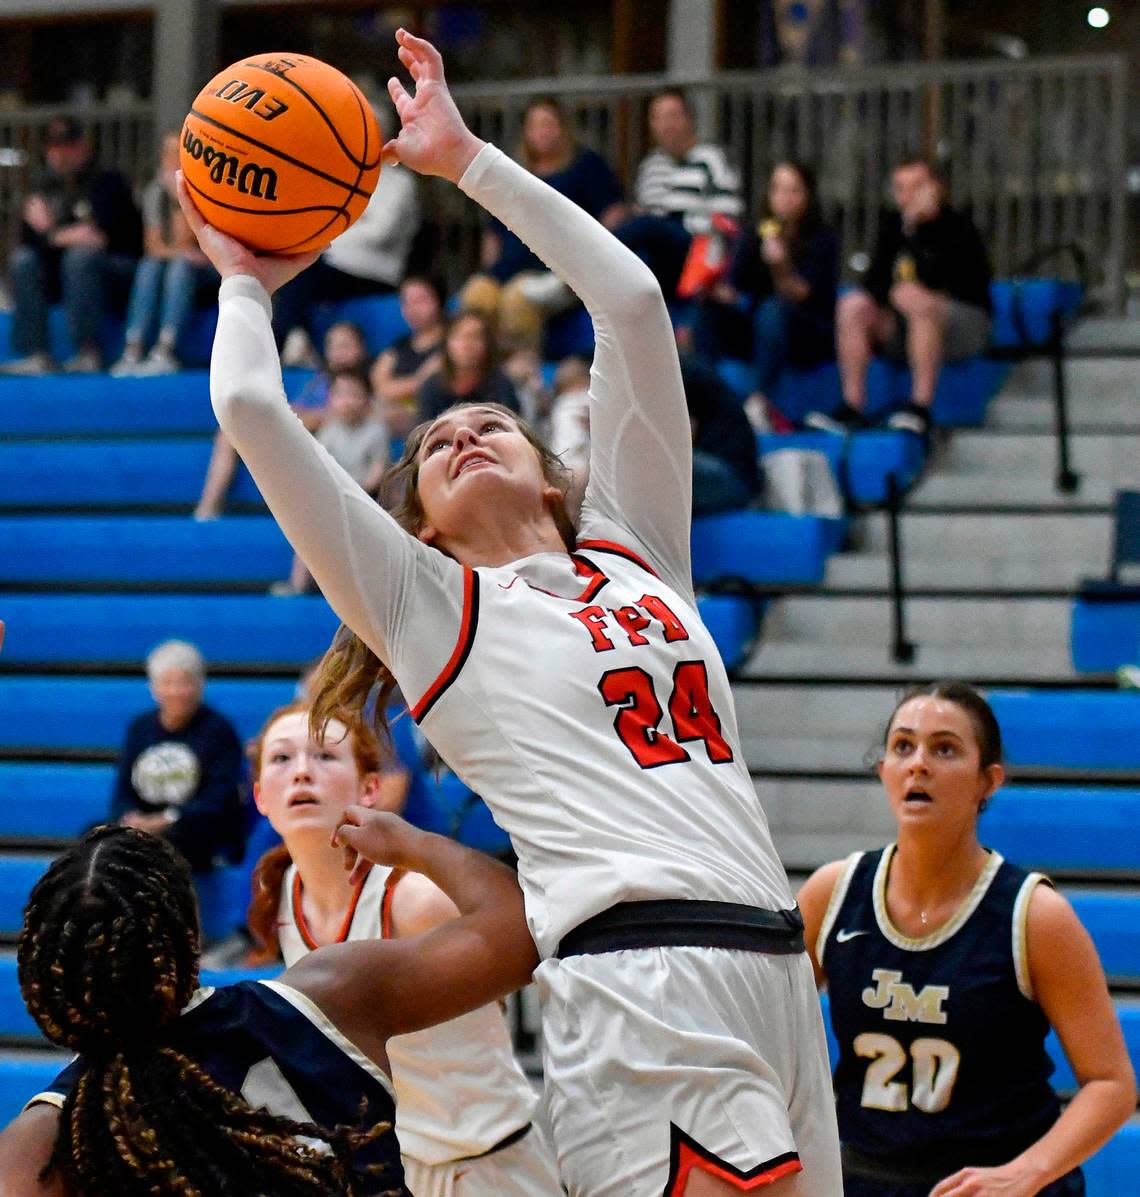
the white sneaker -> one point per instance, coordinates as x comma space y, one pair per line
127, 366
86, 361
30, 366
160, 360
298, 350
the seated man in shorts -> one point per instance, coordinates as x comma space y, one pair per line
925, 300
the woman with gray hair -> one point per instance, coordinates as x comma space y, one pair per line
181, 770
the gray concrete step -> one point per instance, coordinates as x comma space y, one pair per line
870, 572
1079, 536
1011, 489
987, 621
1113, 459
1102, 394
814, 821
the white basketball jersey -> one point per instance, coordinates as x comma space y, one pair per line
588, 705
459, 1089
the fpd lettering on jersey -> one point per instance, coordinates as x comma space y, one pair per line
632, 621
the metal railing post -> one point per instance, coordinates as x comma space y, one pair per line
1067, 480
902, 649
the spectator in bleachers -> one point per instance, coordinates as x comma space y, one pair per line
726, 475
181, 769
777, 305
400, 371
936, 929
569, 435
344, 349
470, 372
925, 300
515, 287
79, 243
680, 185
171, 275
370, 258
356, 441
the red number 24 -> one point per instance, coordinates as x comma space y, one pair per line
638, 719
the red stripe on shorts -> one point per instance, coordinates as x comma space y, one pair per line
686, 1156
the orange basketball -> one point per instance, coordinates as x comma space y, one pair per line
281, 151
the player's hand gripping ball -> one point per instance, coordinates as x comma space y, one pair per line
281, 151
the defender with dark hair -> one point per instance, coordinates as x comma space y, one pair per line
209, 1093
946, 967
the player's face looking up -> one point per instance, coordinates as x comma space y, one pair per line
932, 764
303, 785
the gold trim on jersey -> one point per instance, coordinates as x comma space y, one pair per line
937, 937
1021, 935
305, 1005
838, 896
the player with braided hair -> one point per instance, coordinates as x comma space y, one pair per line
275, 1088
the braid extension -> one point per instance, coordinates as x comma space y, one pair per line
107, 962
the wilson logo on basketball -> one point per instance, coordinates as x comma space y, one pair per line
249, 178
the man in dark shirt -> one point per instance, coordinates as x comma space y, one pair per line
926, 299
182, 769
81, 240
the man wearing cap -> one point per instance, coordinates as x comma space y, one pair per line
81, 240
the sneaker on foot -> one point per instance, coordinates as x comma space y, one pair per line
127, 366
86, 361
911, 418
160, 360
30, 366
841, 421
298, 350
1128, 677
284, 589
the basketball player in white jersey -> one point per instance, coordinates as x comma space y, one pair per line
464, 1106
566, 676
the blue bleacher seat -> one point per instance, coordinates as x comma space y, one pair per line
116, 473
52, 800
141, 549
59, 339
97, 404
861, 462
1024, 309
23, 1076
1086, 829
122, 629
1069, 729
17, 876
1128, 1011
733, 624
760, 547
378, 316
91, 713
1106, 630
1112, 918
1112, 1172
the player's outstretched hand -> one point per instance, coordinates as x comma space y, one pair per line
229, 257
433, 140
370, 836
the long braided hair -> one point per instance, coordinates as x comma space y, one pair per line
350, 670
108, 959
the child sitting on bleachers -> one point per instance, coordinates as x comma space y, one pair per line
356, 442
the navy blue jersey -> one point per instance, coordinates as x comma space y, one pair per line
271, 1044
942, 1061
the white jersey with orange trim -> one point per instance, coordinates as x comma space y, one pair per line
459, 1089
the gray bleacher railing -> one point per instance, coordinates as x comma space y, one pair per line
1036, 148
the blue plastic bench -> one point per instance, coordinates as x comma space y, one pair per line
1112, 918
1065, 828
92, 713
1112, 1172
122, 629
861, 462
378, 316
1069, 729
141, 549
112, 472
1106, 630
23, 1076
53, 801
17, 876
733, 623
761, 548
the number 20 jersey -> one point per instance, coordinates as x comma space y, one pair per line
942, 1061
588, 705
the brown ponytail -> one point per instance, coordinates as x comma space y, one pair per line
349, 671
261, 919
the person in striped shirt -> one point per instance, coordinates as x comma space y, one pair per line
681, 184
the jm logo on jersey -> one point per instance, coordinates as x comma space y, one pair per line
899, 1002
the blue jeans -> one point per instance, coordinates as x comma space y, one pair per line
662, 244
716, 485
88, 281
164, 288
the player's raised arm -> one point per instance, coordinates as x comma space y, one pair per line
359, 556
641, 442
393, 986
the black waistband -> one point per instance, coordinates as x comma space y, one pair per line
676, 923
866, 1167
